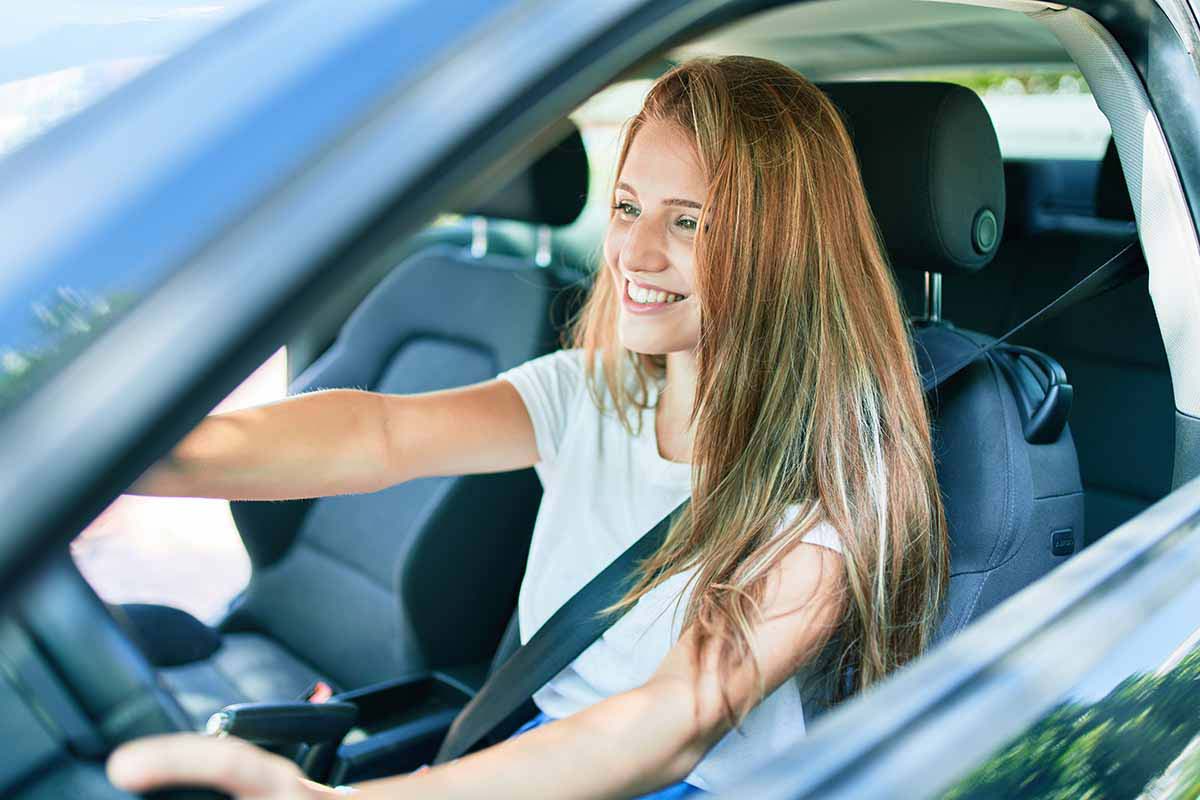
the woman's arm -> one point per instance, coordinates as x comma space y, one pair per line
345, 441
626, 745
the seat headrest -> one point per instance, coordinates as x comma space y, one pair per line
932, 170
1112, 194
551, 191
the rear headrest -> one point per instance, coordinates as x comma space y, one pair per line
931, 165
552, 191
1112, 194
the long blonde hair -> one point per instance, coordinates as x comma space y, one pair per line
807, 391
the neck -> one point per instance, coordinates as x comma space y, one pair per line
671, 422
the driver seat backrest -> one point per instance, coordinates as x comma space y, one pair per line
362, 588
370, 586
1009, 479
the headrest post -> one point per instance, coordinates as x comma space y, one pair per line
542, 256
479, 239
933, 296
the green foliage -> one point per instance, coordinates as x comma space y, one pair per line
1061, 81
1111, 748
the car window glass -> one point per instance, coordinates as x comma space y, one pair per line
1037, 113
182, 552
56, 59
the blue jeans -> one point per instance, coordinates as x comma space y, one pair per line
673, 792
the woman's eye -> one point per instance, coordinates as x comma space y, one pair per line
626, 208
630, 211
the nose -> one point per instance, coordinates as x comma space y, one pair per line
644, 248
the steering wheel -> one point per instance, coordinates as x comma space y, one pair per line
106, 673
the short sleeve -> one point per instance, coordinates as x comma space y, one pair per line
549, 386
822, 533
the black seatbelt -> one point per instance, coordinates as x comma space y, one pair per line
1123, 267
575, 625
555, 645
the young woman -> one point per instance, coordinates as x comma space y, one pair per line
743, 345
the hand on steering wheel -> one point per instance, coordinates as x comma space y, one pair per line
230, 765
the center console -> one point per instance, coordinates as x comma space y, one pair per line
384, 729
401, 722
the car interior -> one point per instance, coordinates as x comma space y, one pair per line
402, 601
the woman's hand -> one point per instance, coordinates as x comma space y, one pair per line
231, 765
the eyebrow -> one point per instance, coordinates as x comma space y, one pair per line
670, 201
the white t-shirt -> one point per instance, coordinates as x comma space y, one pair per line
603, 489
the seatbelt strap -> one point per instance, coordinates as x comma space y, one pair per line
1123, 267
567, 633
577, 624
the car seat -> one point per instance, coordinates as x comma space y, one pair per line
357, 589
1006, 460
1111, 347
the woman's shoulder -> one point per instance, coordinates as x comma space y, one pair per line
567, 370
562, 370
553, 388
569, 358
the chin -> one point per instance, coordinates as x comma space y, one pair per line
652, 343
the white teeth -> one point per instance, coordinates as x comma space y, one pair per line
650, 296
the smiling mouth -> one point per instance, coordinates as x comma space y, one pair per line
642, 296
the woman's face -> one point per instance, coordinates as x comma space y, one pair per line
649, 242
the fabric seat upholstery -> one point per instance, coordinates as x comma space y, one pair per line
247, 668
